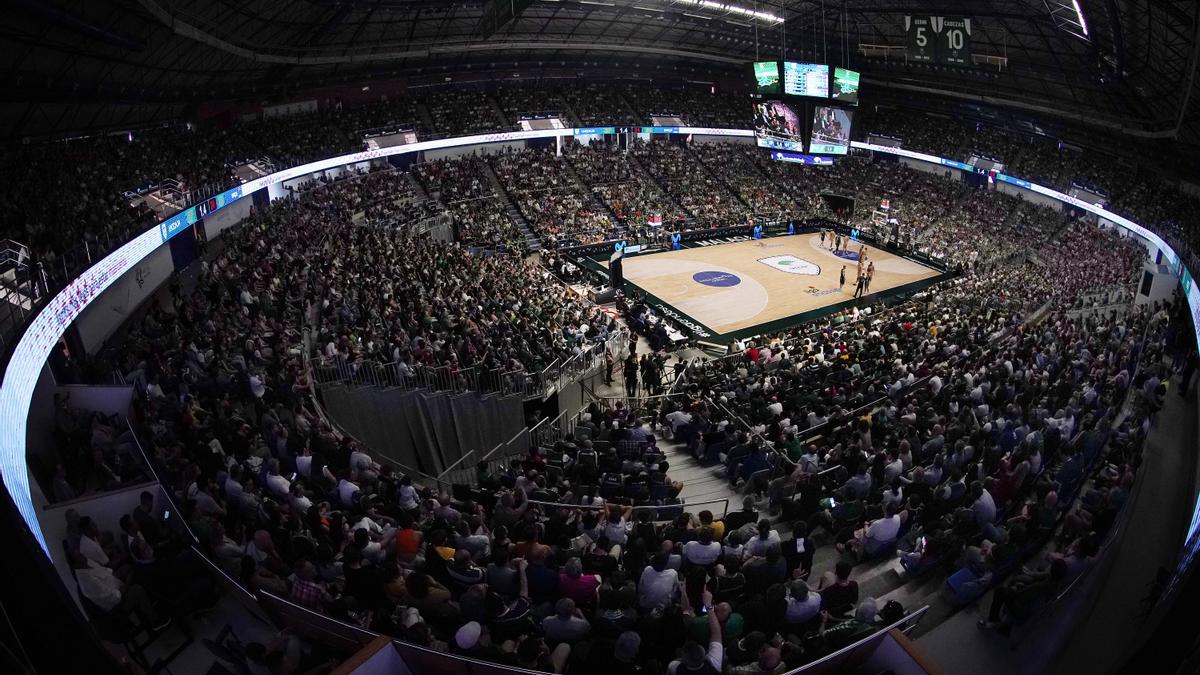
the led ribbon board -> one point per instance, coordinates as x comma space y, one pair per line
47, 327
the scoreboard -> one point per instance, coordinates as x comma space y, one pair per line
938, 39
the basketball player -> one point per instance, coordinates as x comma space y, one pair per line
822, 237
870, 274
859, 285
842, 279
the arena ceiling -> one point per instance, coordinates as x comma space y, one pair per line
83, 64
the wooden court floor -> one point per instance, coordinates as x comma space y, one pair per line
729, 287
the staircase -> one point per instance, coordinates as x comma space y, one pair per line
569, 113
418, 189
690, 222
597, 203
532, 242
504, 121
883, 579
720, 180
630, 109
426, 119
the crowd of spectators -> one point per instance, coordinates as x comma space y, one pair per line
59, 195
983, 428
453, 180
600, 104
101, 169
948, 430
696, 107
542, 187
699, 192
463, 113
633, 197
734, 164
517, 102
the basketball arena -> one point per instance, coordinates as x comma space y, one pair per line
582, 337
758, 285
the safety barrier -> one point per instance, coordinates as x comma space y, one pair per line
347, 638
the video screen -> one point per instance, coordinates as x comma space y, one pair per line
845, 86
831, 131
766, 78
777, 125
806, 79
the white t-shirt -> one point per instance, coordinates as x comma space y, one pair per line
278, 485
884, 529
408, 497
758, 546
304, 466
617, 531
346, 491
91, 549
702, 554
657, 589
803, 609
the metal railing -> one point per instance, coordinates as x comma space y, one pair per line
454, 378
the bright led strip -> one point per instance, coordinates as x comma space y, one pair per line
1079, 13
730, 9
44, 331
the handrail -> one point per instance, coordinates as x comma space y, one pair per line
163, 487
415, 474
454, 466
909, 622
644, 507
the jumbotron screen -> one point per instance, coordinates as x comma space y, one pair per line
830, 131
806, 79
778, 126
845, 86
766, 78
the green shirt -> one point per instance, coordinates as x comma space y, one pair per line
732, 628
793, 449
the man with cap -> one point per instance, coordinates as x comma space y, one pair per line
467, 640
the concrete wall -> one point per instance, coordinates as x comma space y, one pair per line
107, 312
106, 509
929, 167
743, 140
227, 217
485, 149
1029, 195
106, 400
1162, 286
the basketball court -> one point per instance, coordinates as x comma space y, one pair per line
732, 287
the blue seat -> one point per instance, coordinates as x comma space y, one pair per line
964, 586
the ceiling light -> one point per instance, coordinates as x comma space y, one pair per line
1079, 13
730, 9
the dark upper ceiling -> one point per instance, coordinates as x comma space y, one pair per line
84, 64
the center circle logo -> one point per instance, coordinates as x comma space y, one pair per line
846, 255
717, 279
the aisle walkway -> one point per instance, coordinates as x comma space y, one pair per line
881, 579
